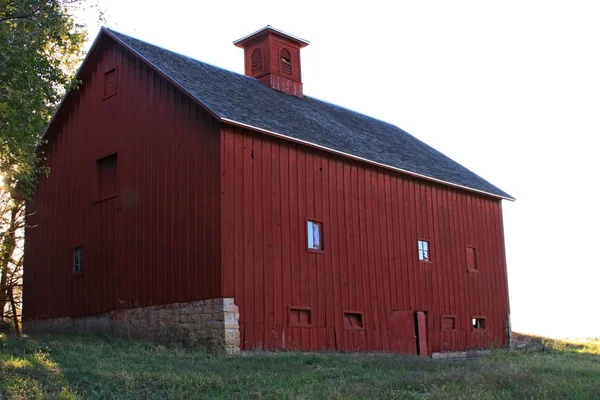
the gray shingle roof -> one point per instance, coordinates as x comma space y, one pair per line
246, 100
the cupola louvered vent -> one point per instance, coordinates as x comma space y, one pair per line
257, 62
285, 62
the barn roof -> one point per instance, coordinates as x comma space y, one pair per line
245, 101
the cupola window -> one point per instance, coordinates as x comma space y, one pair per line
257, 61
285, 62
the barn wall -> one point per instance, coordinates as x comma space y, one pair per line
155, 243
372, 219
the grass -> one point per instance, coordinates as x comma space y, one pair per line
102, 367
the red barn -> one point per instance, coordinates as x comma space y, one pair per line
190, 203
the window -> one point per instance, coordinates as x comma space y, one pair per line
315, 235
471, 259
285, 62
448, 323
423, 246
110, 83
299, 316
353, 320
106, 172
257, 61
78, 260
478, 323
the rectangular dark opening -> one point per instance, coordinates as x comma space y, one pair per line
448, 323
299, 316
478, 323
106, 171
353, 320
110, 83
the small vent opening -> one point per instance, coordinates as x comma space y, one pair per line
448, 323
353, 320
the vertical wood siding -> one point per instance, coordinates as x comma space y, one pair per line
372, 219
158, 241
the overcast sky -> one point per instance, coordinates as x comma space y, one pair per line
509, 89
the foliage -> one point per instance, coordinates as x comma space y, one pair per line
40, 43
85, 366
39, 46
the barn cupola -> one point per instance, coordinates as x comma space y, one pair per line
273, 57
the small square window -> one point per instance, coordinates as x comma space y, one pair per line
423, 247
448, 323
78, 260
299, 316
471, 259
314, 231
478, 323
106, 170
110, 83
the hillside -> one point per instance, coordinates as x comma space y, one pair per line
94, 367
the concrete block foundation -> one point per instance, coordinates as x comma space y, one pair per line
211, 324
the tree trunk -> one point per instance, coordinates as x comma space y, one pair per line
13, 306
8, 247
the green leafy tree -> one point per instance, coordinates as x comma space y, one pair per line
40, 43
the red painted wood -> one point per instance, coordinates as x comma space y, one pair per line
402, 332
158, 241
207, 210
372, 219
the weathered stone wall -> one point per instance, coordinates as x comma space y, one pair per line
212, 324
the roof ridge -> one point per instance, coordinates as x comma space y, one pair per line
236, 98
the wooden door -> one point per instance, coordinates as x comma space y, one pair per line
402, 335
421, 331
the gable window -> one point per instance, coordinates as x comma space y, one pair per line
478, 323
257, 61
110, 83
78, 260
285, 62
471, 259
314, 231
106, 177
423, 246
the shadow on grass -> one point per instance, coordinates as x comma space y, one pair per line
28, 371
91, 366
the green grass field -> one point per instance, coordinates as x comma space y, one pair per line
100, 367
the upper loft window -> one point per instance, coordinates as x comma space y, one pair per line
423, 246
257, 61
471, 259
285, 62
110, 83
106, 177
314, 235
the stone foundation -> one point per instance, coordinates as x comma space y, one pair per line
212, 324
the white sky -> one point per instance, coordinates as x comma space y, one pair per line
509, 89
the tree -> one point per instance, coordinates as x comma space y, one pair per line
40, 43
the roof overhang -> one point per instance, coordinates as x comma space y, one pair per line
361, 159
241, 42
258, 129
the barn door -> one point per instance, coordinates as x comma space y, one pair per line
420, 319
402, 332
